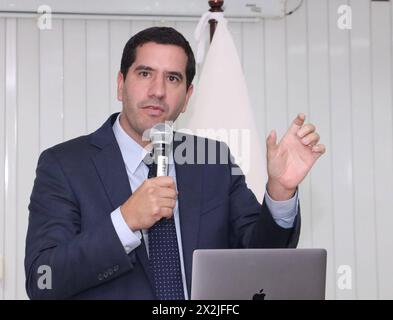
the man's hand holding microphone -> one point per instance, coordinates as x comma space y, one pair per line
156, 197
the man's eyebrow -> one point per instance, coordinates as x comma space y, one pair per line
172, 73
143, 67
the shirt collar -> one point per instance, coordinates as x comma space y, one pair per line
133, 153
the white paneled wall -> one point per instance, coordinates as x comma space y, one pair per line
58, 84
382, 145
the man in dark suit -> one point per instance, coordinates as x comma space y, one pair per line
95, 218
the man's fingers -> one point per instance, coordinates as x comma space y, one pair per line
297, 123
166, 212
271, 140
311, 139
305, 130
166, 203
319, 148
164, 182
165, 192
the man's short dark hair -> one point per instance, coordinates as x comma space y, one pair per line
160, 35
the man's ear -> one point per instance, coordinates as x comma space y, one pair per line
120, 84
188, 95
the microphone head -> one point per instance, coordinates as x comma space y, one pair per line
161, 133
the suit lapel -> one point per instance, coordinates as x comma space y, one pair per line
111, 169
189, 184
113, 174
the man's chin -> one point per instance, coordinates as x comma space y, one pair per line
144, 132
153, 121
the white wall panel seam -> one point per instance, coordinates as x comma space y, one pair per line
391, 77
349, 40
63, 81
264, 79
86, 78
333, 258
2, 189
17, 214
383, 150
15, 244
39, 91
373, 148
27, 134
286, 70
363, 168
373, 152
10, 158
109, 79
308, 108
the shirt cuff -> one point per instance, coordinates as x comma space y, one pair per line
129, 239
283, 212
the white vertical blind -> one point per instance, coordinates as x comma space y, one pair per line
362, 152
51, 84
2, 153
28, 113
61, 83
119, 33
341, 144
320, 215
74, 84
381, 61
11, 229
297, 99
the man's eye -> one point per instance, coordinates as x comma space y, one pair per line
173, 79
144, 74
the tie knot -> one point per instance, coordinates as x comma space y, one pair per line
148, 160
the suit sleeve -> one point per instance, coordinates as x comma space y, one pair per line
77, 260
252, 223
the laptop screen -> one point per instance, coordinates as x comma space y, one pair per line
259, 274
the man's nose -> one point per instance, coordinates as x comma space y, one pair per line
157, 88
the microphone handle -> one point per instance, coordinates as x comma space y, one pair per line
162, 166
162, 161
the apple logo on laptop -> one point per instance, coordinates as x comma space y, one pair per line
259, 296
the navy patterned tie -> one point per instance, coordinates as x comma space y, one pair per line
164, 259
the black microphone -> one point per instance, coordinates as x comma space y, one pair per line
161, 136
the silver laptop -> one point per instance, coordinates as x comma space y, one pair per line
258, 274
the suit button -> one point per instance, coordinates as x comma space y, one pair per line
100, 277
105, 274
110, 272
116, 268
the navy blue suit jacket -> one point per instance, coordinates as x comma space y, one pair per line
80, 182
